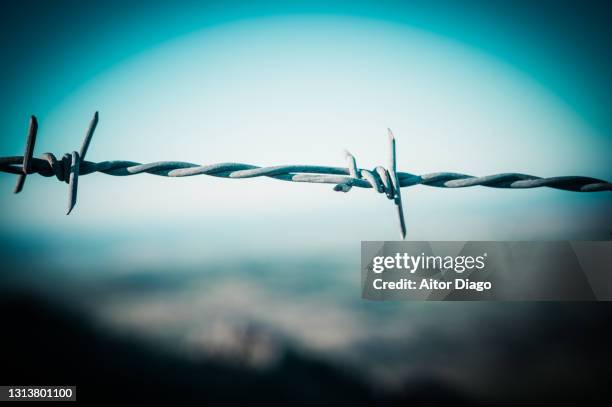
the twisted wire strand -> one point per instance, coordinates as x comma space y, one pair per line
49, 167
383, 180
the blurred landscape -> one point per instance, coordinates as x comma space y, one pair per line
285, 329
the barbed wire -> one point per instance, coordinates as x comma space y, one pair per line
383, 180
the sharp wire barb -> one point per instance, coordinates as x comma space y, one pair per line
73, 182
382, 180
397, 193
88, 136
27, 155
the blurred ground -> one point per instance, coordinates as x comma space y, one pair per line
289, 331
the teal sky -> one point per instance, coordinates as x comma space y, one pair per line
58, 46
466, 87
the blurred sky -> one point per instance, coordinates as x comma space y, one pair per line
472, 87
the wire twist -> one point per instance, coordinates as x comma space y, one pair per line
386, 181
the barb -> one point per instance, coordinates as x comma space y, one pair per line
27, 155
382, 180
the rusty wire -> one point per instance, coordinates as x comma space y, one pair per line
382, 180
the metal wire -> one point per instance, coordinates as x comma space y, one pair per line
382, 180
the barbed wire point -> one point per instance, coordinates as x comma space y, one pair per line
390, 133
88, 135
26, 165
396, 190
73, 181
